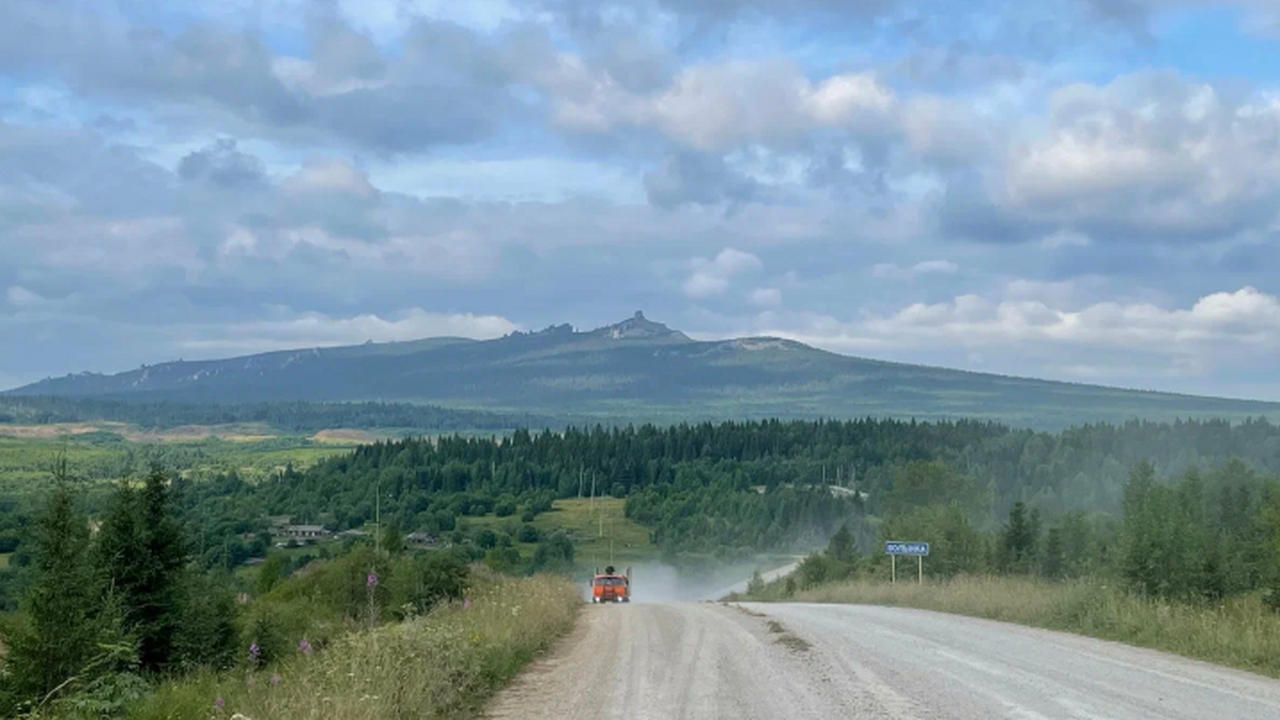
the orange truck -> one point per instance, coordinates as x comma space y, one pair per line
609, 586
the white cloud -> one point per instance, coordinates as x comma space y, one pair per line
711, 277
718, 106
1151, 156
702, 285
1214, 330
21, 297
926, 267
330, 176
766, 297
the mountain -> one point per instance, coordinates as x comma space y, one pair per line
638, 370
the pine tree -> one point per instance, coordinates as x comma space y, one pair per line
63, 625
1020, 539
142, 555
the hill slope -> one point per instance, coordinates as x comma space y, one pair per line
638, 370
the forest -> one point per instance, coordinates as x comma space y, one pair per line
290, 417
729, 489
1186, 512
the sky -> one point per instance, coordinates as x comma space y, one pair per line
1083, 190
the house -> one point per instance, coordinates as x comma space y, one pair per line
421, 540
304, 532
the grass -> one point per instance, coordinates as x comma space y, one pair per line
4, 560
1241, 633
442, 665
581, 521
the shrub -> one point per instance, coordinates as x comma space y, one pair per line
528, 534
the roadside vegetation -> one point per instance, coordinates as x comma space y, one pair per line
1240, 632
1191, 566
440, 665
118, 621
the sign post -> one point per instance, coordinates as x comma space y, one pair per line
894, 548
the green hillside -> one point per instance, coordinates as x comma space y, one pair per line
638, 370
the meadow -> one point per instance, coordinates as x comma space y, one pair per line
599, 529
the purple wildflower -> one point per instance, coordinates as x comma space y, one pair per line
466, 604
219, 703
304, 646
275, 679
255, 653
373, 579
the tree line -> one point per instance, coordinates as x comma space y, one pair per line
287, 416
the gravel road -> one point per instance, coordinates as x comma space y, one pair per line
704, 660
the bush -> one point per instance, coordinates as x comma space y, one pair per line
429, 579
528, 516
528, 534
502, 559
505, 508
486, 538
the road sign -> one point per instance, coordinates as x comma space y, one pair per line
906, 548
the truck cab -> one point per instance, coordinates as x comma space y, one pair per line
610, 586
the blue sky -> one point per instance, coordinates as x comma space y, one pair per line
1086, 190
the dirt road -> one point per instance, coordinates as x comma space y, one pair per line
660, 661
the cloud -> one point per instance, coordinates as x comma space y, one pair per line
716, 106
21, 297
925, 267
222, 164
1150, 157
766, 297
711, 277
691, 178
1229, 329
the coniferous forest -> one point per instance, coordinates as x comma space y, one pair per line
1187, 511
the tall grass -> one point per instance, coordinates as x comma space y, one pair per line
442, 665
1241, 633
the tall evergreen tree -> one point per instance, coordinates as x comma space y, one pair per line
63, 623
142, 555
1020, 540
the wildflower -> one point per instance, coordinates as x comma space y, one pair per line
275, 679
255, 653
372, 580
251, 682
304, 646
219, 703
466, 604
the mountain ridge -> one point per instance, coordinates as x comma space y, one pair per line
638, 370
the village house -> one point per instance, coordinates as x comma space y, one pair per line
421, 540
305, 532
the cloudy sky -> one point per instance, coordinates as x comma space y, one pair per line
1085, 190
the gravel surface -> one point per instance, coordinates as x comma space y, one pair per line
704, 660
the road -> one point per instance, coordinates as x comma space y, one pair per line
705, 660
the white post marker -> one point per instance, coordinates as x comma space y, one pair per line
894, 548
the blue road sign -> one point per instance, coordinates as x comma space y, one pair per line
906, 548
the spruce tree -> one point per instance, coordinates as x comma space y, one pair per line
142, 555
63, 625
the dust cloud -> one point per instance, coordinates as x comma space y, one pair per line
654, 581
